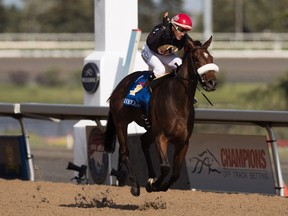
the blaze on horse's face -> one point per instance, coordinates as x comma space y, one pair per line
204, 64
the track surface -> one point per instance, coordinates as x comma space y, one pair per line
48, 198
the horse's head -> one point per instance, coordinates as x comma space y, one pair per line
203, 64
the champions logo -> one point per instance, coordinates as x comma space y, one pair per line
243, 158
206, 160
229, 158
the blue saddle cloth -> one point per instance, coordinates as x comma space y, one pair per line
138, 94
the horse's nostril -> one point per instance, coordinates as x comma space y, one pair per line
213, 82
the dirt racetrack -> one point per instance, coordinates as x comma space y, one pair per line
49, 198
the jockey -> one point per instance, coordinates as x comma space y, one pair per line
159, 52
164, 41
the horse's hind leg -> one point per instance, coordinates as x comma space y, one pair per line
179, 155
119, 174
146, 141
124, 158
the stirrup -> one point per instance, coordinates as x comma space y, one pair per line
195, 100
146, 121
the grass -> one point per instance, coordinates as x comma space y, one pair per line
226, 96
283, 153
41, 94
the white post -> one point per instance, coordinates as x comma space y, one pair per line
208, 15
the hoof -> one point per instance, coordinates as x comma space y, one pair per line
149, 186
135, 189
164, 187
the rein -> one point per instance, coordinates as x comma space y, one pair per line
199, 78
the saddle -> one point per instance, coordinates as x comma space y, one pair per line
139, 92
155, 82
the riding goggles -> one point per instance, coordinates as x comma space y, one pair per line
180, 29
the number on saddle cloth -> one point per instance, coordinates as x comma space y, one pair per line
138, 94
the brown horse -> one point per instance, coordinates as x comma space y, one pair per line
171, 114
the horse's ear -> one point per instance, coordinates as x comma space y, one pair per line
207, 43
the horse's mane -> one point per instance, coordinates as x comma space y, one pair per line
187, 49
197, 43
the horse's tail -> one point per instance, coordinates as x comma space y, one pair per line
110, 135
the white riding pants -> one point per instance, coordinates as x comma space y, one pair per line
160, 64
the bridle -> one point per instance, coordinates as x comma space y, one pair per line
195, 71
198, 72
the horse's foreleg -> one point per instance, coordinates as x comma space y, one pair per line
124, 158
179, 155
161, 144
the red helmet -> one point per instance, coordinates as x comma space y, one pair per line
182, 20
